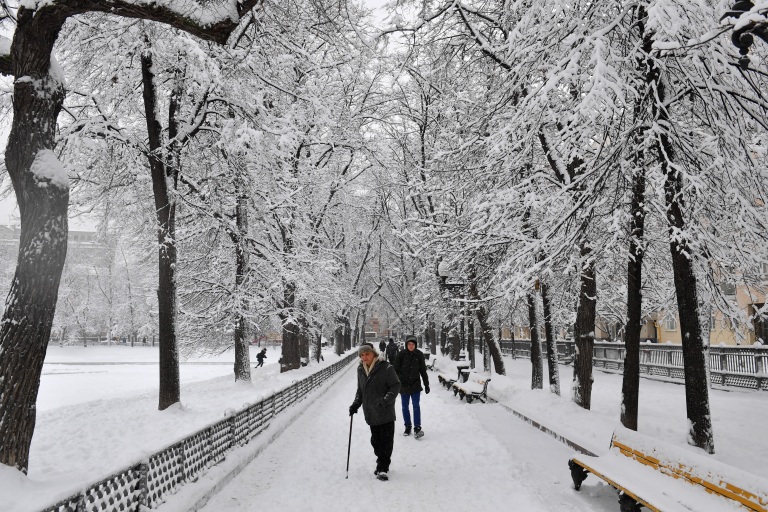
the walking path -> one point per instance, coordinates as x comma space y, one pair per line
473, 457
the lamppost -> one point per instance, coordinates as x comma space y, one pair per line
456, 287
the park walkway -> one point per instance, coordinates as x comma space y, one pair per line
473, 457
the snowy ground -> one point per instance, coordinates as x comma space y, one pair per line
473, 457
97, 418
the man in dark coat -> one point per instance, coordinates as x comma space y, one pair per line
377, 388
261, 356
391, 351
411, 369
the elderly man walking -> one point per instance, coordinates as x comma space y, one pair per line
377, 389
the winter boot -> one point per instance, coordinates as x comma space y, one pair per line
407, 430
418, 433
382, 476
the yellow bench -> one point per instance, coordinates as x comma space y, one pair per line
668, 478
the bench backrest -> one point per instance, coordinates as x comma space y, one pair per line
714, 476
479, 378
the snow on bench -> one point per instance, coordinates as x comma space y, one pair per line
661, 476
447, 379
475, 386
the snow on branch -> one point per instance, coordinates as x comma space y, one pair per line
213, 21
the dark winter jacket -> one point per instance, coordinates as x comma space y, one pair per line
377, 393
409, 367
391, 352
261, 356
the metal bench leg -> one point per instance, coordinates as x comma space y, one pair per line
578, 474
627, 503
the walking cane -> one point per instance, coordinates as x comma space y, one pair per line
349, 446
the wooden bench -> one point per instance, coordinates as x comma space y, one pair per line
664, 477
446, 380
431, 365
475, 386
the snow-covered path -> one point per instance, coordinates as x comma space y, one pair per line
473, 457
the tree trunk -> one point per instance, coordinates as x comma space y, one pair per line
290, 352
338, 335
471, 342
630, 387
347, 333
165, 211
584, 330
554, 370
455, 343
242, 347
485, 327
694, 346
443, 337
537, 367
31, 303
432, 338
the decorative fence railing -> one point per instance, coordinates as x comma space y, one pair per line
745, 367
146, 484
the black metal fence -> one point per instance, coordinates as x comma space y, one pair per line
147, 483
745, 367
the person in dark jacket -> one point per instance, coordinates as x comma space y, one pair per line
382, 348
261, 356
411, 370
377, 389
391, 351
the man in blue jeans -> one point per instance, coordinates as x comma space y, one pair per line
411, 369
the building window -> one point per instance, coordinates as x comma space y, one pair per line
670, 323
760, 323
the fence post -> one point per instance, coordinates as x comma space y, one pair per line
143, 484
669, 363
723, 368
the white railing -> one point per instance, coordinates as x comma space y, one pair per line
745, 367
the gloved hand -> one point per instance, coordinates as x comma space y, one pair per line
426, 388
353, 409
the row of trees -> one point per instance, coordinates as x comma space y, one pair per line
556, 146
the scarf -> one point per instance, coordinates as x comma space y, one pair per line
369, 369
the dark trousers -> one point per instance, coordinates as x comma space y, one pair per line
382, 440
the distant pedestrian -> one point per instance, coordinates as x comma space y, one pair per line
391, 351
411, 369
382, 349
377, 388
261, 356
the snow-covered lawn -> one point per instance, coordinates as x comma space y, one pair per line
98, 418
739, 416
